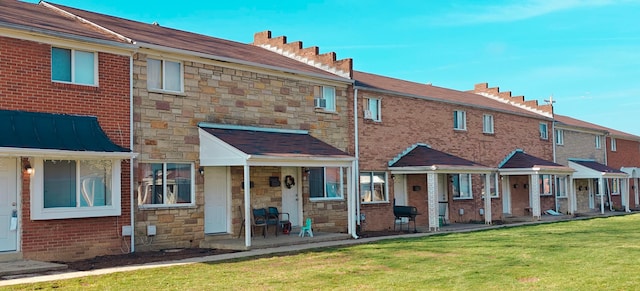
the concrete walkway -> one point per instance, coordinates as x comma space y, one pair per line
257, 252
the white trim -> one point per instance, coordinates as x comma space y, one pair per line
20, 152
96, 65
38, 212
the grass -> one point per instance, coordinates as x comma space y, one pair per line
594, 254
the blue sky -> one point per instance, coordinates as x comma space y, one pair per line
584, 53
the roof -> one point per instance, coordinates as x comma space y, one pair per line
23, 15
423, 157
243, 143
377, 82
601, 169
60, 132
520, 161
579, 123
144, 33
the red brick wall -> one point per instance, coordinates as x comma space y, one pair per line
406, 121
25, 84
627, 154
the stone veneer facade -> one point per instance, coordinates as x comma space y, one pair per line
165, 130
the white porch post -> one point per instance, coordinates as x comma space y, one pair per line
487, 198
351, 201
601, 193
625, 194
571, 195
534, 188
247, 207
432, 200
635, 192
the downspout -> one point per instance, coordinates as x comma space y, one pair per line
131, 200
553, 141
356, 180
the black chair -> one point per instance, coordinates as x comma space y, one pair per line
259, 219
277, 218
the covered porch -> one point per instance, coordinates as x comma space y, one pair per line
247, 168
598, 185
633, 182
532, 186
451, 189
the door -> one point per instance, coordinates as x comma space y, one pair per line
8, 205
400, 189
290, 200
216, 197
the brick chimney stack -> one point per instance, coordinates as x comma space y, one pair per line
308, 55
519, 101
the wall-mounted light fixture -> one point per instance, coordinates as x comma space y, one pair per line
515, 186
525, 185
201, 171
579, 188
28, 169
416, 188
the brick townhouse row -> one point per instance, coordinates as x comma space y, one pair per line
125, 136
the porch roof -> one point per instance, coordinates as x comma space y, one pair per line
48, 134
521, 163
230, 145
422, 158
593, 169
634, 172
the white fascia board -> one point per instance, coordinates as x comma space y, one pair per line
314, 161
215, 152
47, 153
441, 170
634, 172
583, 172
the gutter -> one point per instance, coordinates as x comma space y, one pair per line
67, 36
356, 163
131, 185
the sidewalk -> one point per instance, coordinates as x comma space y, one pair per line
257, 253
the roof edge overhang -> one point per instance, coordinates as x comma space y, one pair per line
634, 172
584, 172
448, 169
384, 91
26, 152
536, 170
242, 62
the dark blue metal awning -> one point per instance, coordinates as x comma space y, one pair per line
58, 133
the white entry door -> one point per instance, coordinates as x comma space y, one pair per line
216, 197
400, 189
8, 205
290, 198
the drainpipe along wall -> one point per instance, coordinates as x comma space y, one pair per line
356, 181
131, 200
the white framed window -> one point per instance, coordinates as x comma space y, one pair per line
561, 186
459, 120
546, 184
614, 184
372, 109
164, 75
326, 99
493, 189
165, 184
461, 184
487, 123
63, 189
326, 183
598, 142
614, 146
373, 187
74, 66
559, 136
544, 132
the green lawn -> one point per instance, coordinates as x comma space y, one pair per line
594, 254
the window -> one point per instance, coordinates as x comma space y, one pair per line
487, 123
598, 142
546, 184
613, 145
165, 184
372, 110
559, 136
164, 75
459, 120
615, 186
493, 189
327, 99
75, 188
373, 187
461, 186
544, 134
73, 66
326, 183
561, 186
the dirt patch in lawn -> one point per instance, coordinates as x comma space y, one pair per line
137, 258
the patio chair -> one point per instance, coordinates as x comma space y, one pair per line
306, 228
259, 219
281, 219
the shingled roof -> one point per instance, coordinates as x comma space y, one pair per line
145, 34
378, 82
422, 156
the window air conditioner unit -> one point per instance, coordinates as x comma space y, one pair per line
320, 103
367, 114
